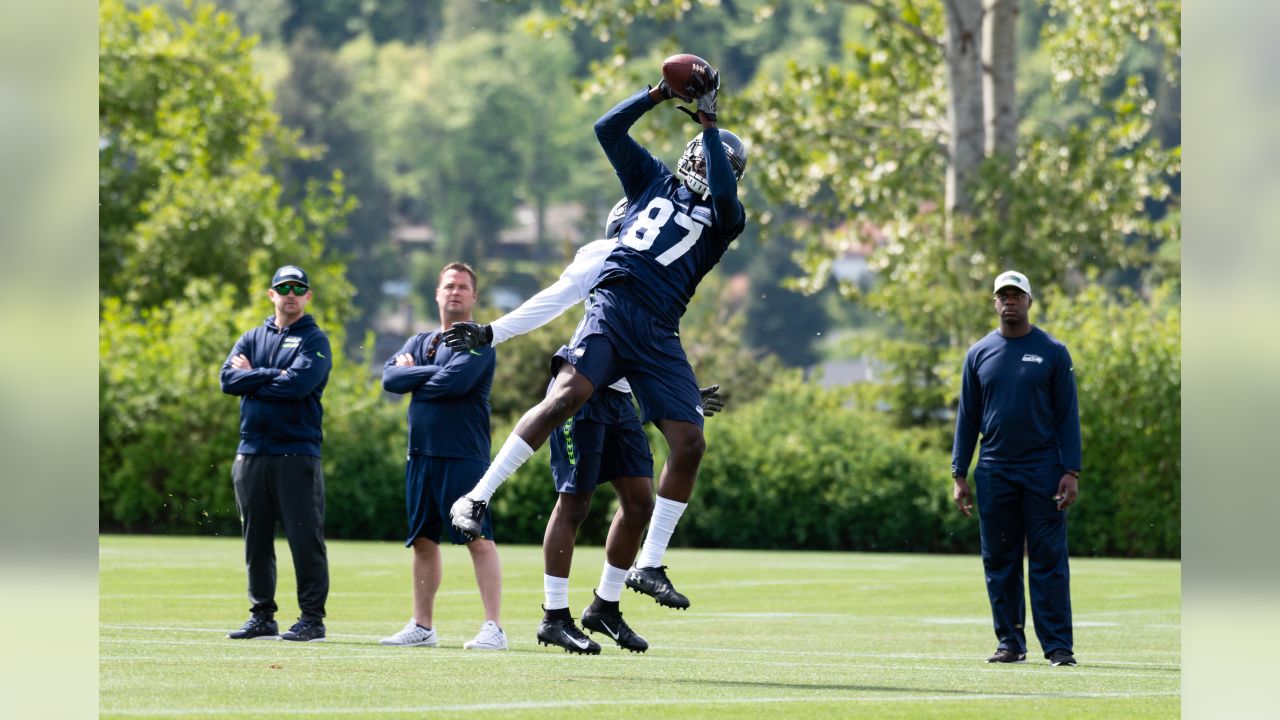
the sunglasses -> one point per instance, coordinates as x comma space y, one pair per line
298, 290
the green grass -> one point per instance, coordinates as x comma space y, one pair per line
776, 634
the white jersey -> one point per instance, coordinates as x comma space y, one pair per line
573, 287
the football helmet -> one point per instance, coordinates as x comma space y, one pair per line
692, 168
613, 226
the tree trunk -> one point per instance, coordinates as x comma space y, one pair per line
964, 109
1000, 61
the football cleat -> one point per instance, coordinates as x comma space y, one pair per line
466, 515
305, 631
257, 628
605, 617
561, 632
653, 581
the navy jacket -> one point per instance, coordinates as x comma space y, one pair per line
449, 409
1020, 393
280, 411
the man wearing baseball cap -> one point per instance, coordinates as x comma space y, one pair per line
279, 369
1018, 391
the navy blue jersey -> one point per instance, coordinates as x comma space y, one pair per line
280, 410
670, 237
1020, 393
449, 408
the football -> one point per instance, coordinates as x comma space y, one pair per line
678, 70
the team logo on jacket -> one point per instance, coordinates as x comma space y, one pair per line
1032, 358
292, 342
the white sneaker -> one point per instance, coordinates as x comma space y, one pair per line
413, 635
490, 637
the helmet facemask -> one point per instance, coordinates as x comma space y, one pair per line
692, 167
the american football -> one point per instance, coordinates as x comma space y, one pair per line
679, 69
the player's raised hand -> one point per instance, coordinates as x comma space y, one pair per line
712, 400
467, 335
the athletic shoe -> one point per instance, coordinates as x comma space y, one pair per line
561, 632
1007, 656
653, 581
257, 628
605, 617
413, 635
466, 515
490, 637
1062, 657
305, 631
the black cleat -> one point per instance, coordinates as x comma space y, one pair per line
1006, 656
1056, 658
559, 630
605, 617
257, 628
305, 631
467, 515
653, 581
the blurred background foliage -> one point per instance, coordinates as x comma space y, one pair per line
372, 142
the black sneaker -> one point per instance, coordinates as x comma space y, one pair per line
467, 515
257, 628
1007, 656
653, 581
557, 629
1060, 657
305, 631
605, 617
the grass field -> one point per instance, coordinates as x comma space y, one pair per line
770, 634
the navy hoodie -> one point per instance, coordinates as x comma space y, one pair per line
280, 412
449, 406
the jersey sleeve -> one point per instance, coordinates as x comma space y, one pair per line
635, 165
968, 418
722, 184
550, 303
1066, 410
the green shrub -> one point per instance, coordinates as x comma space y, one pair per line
1128, 368
168, 435
801, 468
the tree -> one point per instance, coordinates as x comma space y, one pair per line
897, 133
188, 148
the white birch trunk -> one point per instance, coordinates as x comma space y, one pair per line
964, 65
1000, 93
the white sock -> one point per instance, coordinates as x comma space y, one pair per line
556, 590
666, 513
512, 455
611, 583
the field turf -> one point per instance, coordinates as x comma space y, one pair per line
769, 634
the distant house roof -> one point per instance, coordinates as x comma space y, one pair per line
413, 234
564, 222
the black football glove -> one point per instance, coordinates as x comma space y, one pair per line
466, 335
706, 91
667, 92
712, 400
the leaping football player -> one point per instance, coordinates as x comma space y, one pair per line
676, 228
602, 442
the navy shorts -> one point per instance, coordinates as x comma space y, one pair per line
619, 338
431, 486
602, 442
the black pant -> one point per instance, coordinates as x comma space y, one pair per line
290, 489
1016, 509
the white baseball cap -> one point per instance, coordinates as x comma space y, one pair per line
1012, 278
